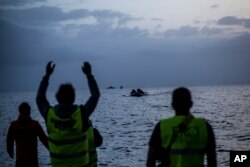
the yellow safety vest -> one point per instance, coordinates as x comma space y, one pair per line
92, 147
189, 147
68, 144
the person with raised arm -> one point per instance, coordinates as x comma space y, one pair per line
67, 123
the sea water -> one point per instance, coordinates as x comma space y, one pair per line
126, 123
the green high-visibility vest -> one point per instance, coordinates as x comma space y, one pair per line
92, 147
68, 144
188, 149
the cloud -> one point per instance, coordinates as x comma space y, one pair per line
214, 6
8, 3
231, 20
128, 56
21, 45
44, 15
185, 31
211, 31
157, 19
120, 56
247, 23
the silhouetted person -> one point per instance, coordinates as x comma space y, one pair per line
182, 140
67, 123
24, 132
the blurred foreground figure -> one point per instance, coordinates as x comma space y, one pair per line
24, 132
182, 140
94, 140
67, 123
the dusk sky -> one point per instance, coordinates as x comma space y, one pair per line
134, 43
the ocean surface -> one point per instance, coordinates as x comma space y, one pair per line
126, 123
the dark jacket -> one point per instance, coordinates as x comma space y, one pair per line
24, 132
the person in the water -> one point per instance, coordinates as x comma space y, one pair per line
24, 132
182, 140
67, 123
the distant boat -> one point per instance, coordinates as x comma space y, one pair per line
138, 93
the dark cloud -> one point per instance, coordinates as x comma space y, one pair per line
211, 31
46, 15
8, 3
23, 48
104, 31
247, 23
22, 45
119, 55
231, 20
214, 6
185, 31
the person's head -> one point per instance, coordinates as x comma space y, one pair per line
24, 109
181, 100
65, 94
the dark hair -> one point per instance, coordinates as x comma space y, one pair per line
65, 94
181, 99
24, 108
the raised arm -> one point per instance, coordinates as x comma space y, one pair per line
93, 87
41, 99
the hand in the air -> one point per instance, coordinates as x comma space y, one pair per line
50, 68
86, 68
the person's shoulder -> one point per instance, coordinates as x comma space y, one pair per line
209, 127
158, 123
157, 128
82, 108
13, 123
166, 120
155, 139
206, 122
35, 122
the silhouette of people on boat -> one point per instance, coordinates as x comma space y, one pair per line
138, 93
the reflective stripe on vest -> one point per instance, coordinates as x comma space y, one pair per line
188, 148
68, 144
92, 148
